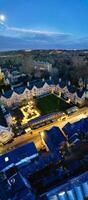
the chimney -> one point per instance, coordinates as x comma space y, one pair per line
11, 87
59, 80
43, 79
69, 83
28, 84
2, 91
50, 78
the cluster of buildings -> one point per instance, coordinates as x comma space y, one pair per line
40, 87
30, 65
26, 174
17, 94
13, 184
13, 76
57, 141
76, 188
74, 95
16, 68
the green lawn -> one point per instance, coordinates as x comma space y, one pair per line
51, 103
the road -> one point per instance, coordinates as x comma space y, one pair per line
36, 137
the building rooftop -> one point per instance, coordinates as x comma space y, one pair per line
75, 188
71, 88
23, 153
8, 94
13, 185
62, 84
80, 93
80, 127
19, 90
42, 118
2, 118
54, 138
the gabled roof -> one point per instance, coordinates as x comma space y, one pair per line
19, 90
30, 86
77, 127
39, 84
45, 84
8, 94
53, 138
71, 88
18, 154
68, 129
50, 82
36, 83
26, 89
62, 84
80, 93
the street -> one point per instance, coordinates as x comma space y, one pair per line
36, 137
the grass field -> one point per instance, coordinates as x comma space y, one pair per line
51, 103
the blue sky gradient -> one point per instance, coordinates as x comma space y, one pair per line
60, 24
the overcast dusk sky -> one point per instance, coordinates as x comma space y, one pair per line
43, 24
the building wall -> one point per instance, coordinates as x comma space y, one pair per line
28, 94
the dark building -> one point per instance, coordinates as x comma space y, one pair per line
76, 131
13, 186
54, 140
17, 156
74, 189
2, 118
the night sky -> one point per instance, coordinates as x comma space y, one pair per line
43, 24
